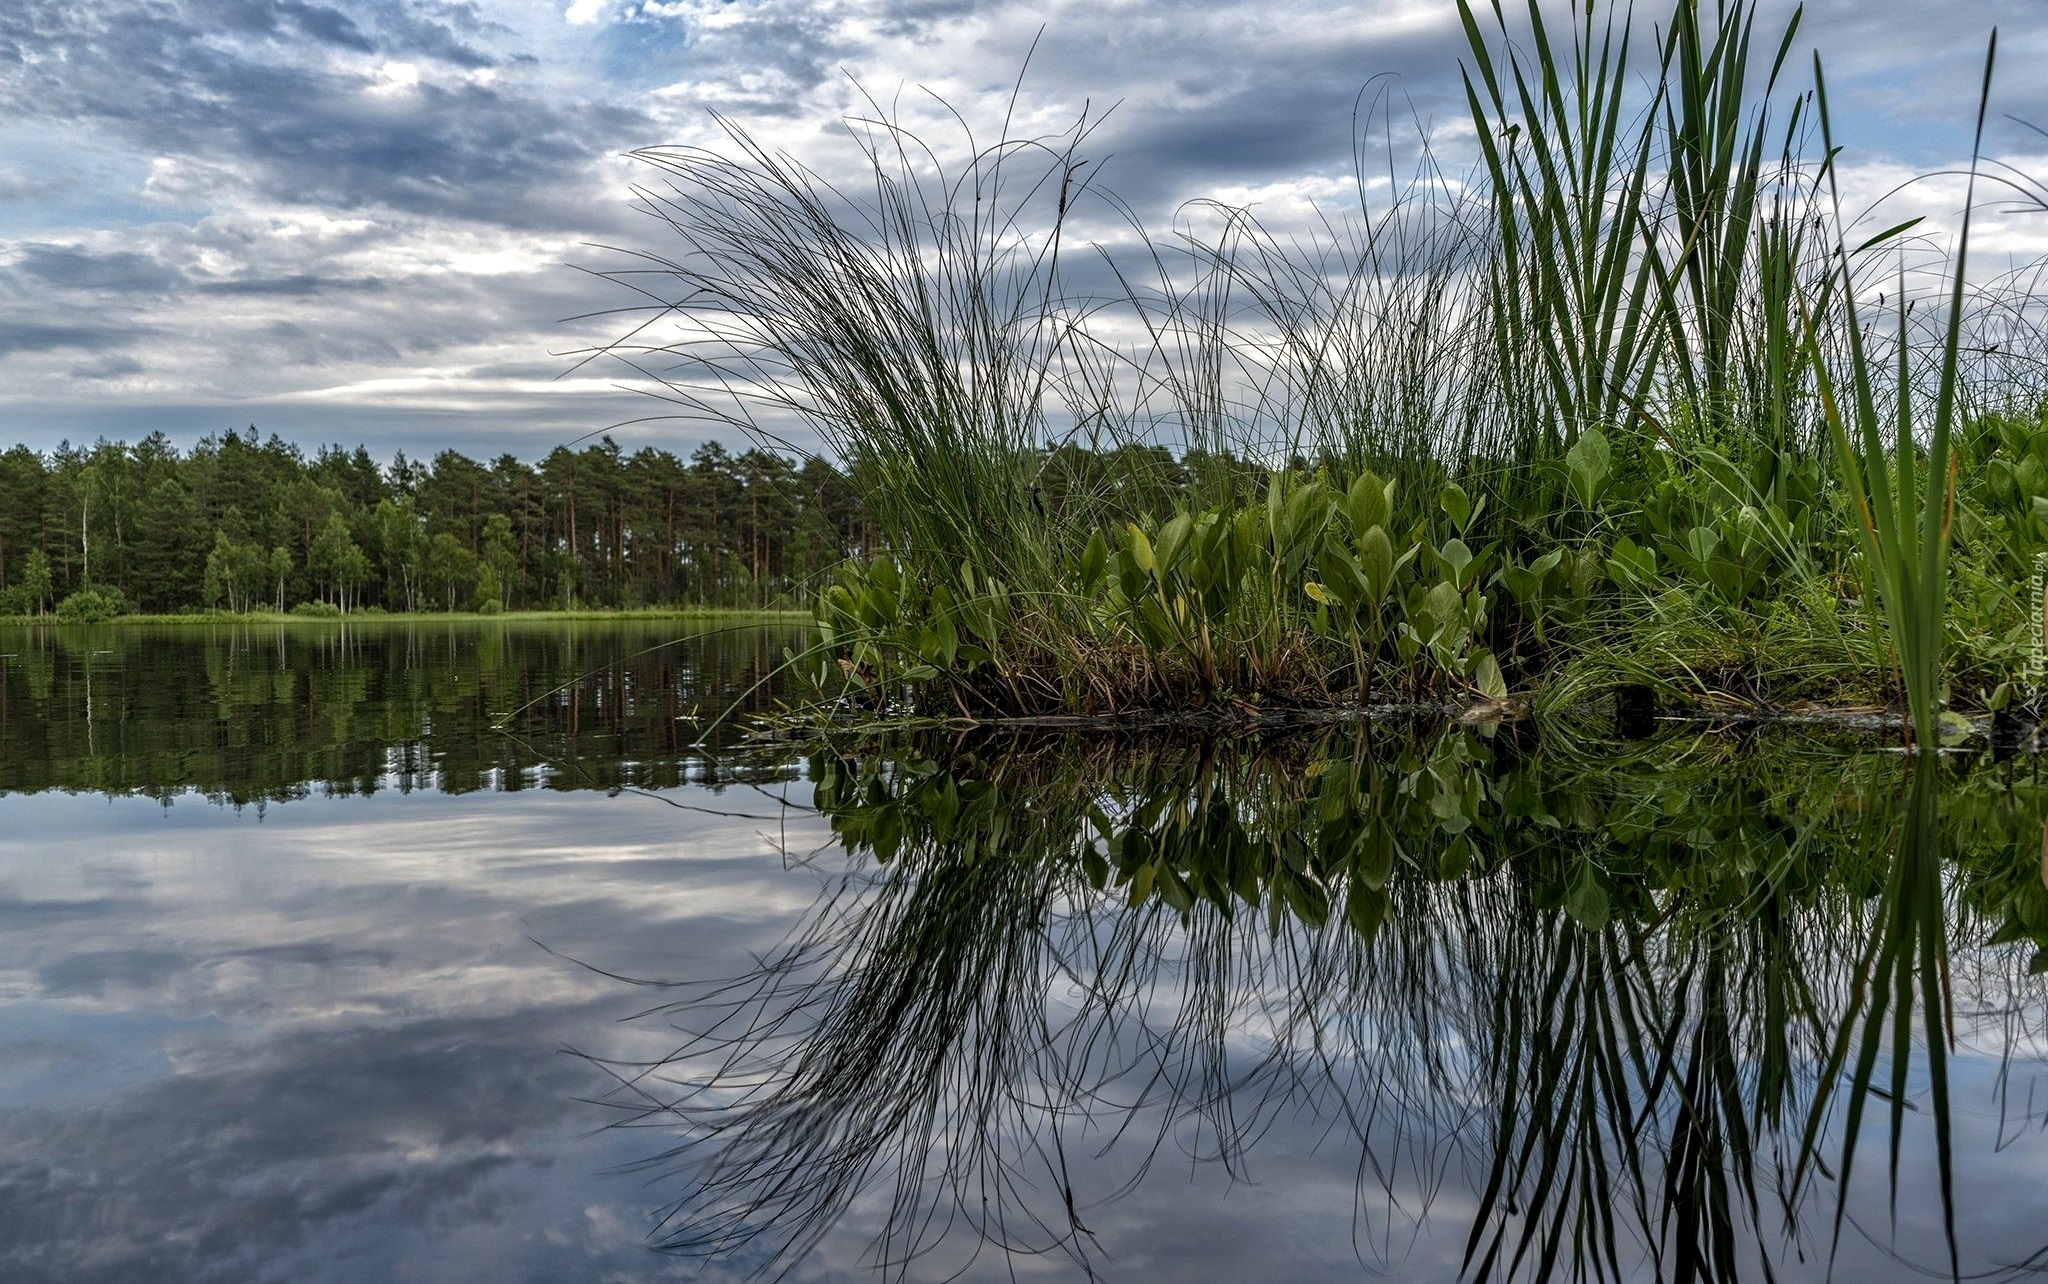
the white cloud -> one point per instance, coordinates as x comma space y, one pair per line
351, 200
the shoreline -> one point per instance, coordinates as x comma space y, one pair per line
735, 615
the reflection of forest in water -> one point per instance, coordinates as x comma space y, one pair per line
1592, 1010
248, 713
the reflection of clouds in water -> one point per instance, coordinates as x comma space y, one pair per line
320, 1046
943, 1068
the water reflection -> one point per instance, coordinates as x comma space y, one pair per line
1589, 1011
260, 713
1512, 1004
319, 1045
316, 1042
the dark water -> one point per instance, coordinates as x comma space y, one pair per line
323, 956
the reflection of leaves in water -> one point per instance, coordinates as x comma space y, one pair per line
1618, 1002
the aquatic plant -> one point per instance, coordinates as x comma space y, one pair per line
919, 329
1601, 411
1905, 521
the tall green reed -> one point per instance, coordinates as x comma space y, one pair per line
1569, 164
1906, 505
1733, 243
1716, 172
1647, 247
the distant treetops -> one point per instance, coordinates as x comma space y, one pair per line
243, 523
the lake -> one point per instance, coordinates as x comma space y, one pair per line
492, 952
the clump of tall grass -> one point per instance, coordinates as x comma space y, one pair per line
916, 322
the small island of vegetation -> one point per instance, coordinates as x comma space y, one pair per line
1635, 400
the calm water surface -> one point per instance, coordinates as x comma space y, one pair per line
475, 953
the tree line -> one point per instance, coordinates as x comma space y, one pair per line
242, 522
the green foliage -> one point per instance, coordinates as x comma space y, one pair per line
1210, 605
317, 610
91, 606
35, 582
1569, 177
448, 568
334, 561
487, 590
598, 525
235, 574
1905, 522
1686, 577
500, 561
1580, 427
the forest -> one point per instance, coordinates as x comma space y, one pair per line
246, 523
242, 522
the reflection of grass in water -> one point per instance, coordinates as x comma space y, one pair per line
1622, 1001
1904, 962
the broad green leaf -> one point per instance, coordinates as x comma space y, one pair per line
1094, 559
1486, 675
1443, 607
1457, 505
1371, 503
1173, 539
1140, 548
1141, 886
1365, 908
1586, 899
1590, 459
1376, 560
1456, 557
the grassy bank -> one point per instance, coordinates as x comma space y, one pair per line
1634, 400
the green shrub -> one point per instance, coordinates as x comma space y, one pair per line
317, 610
91, 605
16, 601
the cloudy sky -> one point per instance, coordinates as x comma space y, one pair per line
368, 220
